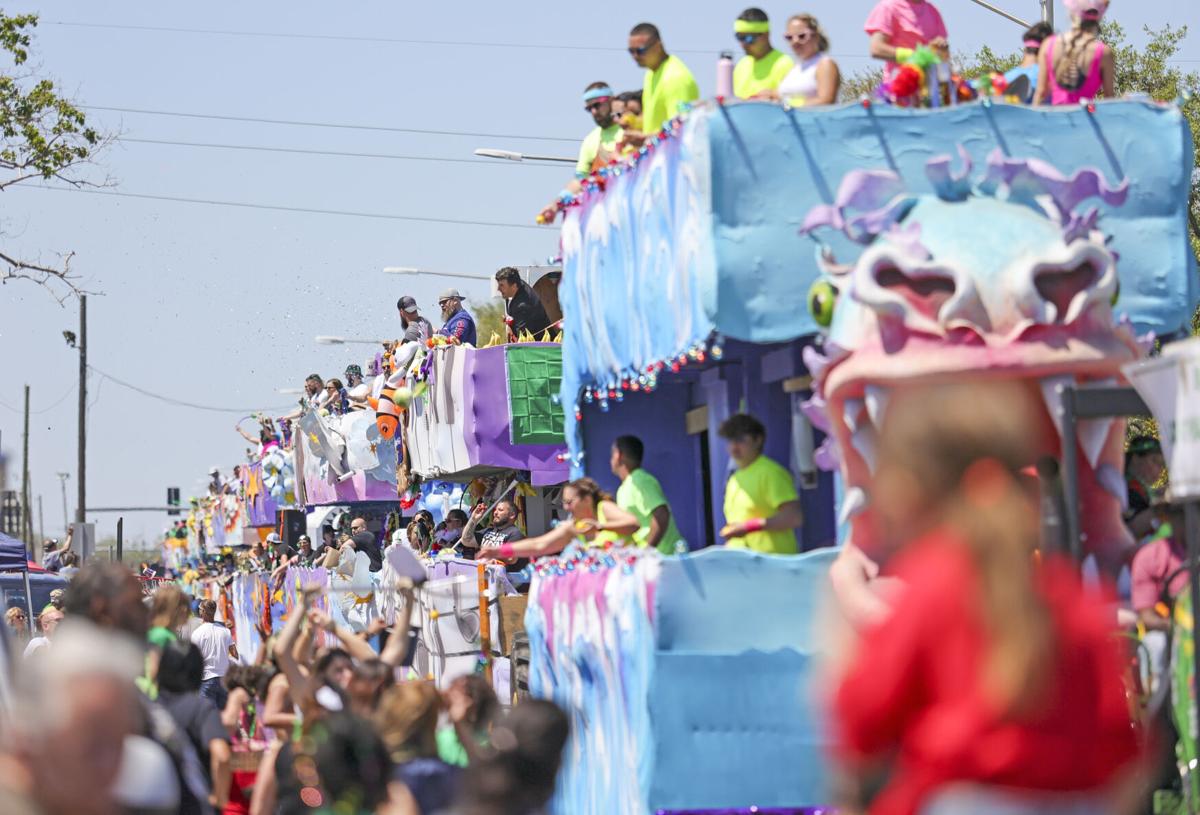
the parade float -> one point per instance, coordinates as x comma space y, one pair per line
447, 426
796, 264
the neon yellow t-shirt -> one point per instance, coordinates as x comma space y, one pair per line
605, 537
639, 495
758, 491
664, 90
751, 76
599, 139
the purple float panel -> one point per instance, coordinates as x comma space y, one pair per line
488, 432
359, 487
261, 508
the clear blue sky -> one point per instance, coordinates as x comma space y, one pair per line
220, 305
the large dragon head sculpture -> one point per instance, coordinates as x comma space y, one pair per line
1000, 277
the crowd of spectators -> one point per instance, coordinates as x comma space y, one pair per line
150, 708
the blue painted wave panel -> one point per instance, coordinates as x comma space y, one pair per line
770, 166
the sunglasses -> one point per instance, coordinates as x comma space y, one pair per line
638, 52
746, 39
802, 37
593, 106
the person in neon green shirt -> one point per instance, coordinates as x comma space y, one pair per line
763, 67
668, 84
642, 496
762, 507
603, 142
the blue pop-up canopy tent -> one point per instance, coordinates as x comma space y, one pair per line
13, 558
12, 555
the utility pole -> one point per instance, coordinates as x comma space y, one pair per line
41, 536
62, 480
81, 474
1048, 12
26, 519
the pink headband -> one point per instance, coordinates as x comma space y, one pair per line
1033, 43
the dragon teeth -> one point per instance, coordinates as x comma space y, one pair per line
1092, 434
864, 440
877, 402
852, 411
853, 502
1113, 483
1053, 399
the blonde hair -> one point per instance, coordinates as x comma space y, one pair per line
168, 604
407, 720
964, 457
811, 22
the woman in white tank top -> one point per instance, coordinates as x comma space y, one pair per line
815, 79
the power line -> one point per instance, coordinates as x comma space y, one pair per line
51, 407
337, 125
283, 35
276, 208
526, 46
303, 151
172, 400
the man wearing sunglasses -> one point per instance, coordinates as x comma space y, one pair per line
763, 68
602, 144
668, 83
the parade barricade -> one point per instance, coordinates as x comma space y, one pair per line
459, 622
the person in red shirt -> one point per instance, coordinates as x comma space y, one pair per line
994, 685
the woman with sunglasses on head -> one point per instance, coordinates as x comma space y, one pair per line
815, 78
596, 520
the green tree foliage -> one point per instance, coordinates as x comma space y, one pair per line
489, 322
43, 137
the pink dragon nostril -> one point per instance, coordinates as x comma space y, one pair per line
1060, 286
926, 293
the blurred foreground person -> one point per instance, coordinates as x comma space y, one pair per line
995, 684
74, 706
517, 775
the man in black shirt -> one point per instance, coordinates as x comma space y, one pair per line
180, 669
521, 304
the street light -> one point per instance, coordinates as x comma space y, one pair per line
511, 155
323, 340
1047, 12
412, 270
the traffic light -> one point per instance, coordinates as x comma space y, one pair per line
173, 500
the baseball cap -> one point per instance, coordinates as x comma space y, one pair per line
449, 294
274, 538
407, 304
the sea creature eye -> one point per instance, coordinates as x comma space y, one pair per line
822, 297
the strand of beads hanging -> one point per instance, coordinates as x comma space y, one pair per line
645, 379
597, 181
